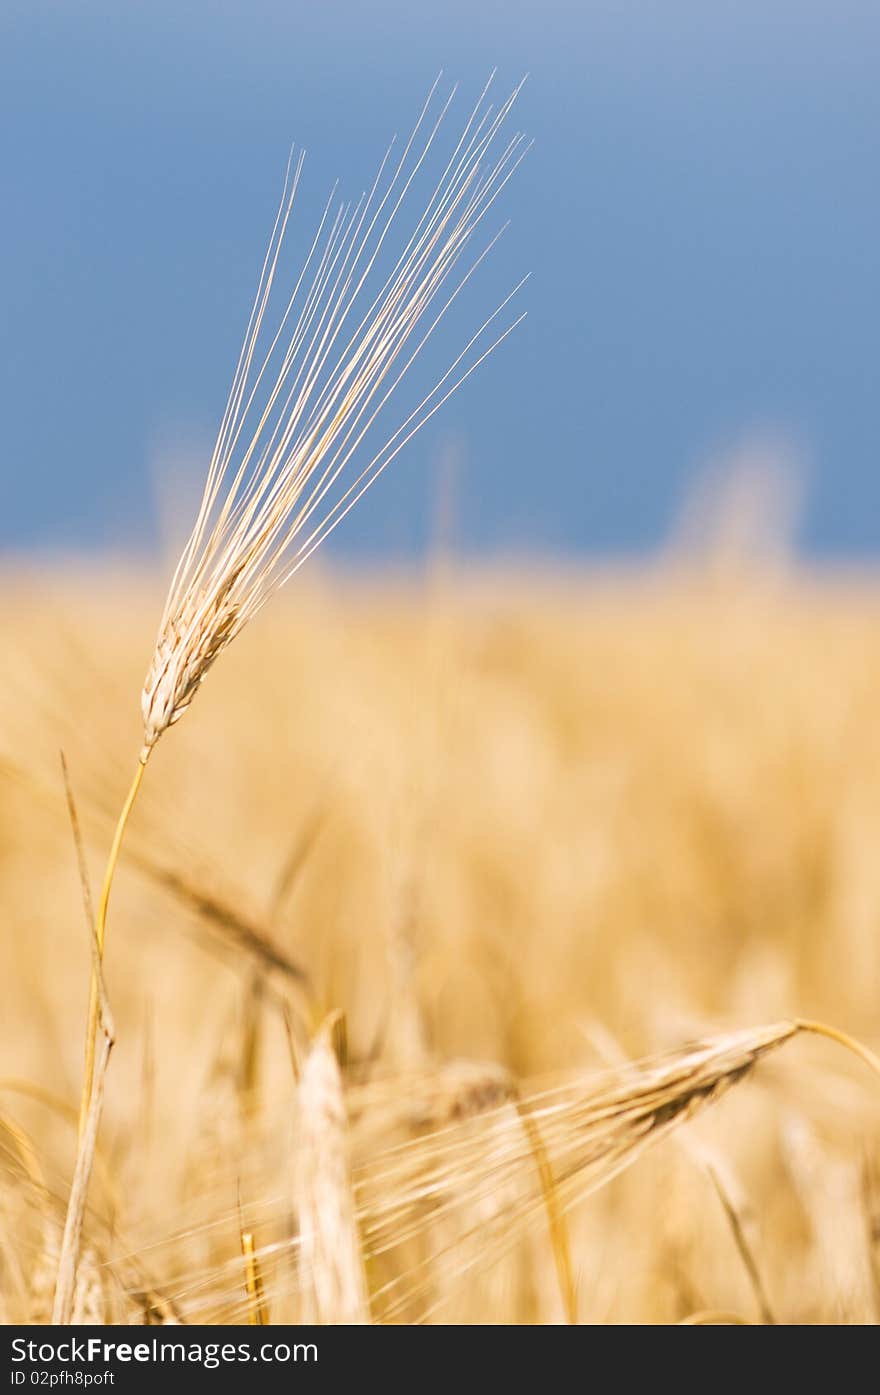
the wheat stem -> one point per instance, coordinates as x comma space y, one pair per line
100, 936
64, 1304
821, 1029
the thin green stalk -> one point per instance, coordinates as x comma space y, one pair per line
101, 934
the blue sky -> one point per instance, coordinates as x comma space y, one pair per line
700, 215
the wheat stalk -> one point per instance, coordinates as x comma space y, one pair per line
299, 409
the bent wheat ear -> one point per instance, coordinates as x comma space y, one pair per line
300, 407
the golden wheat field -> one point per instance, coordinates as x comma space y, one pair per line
457, 952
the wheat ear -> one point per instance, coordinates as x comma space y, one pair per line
331, 1258
300, 407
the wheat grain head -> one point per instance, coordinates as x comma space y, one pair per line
333, 1278
300, 407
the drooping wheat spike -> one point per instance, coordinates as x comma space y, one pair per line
305, 396
444, 1178
590, 1131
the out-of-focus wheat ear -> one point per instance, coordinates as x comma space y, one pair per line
830, 1189
332, 1275
591, 1130
735, 1215
244, 937
223, 924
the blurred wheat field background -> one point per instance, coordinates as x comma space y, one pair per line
499, 943
484, 838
